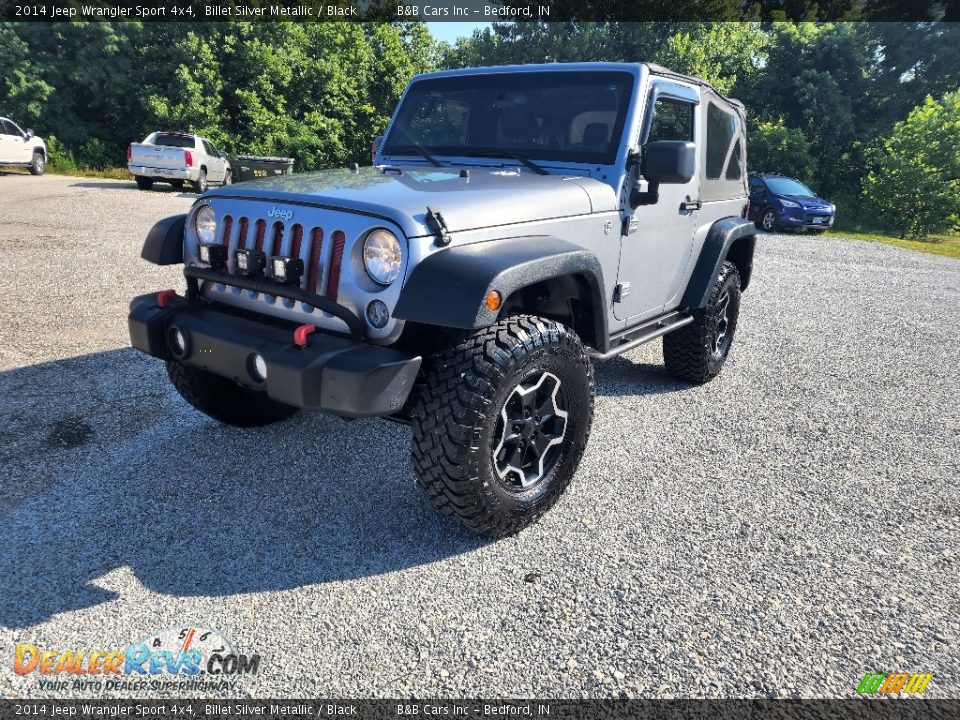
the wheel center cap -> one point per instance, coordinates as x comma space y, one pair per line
529, 428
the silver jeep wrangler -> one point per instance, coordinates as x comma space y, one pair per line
517, 223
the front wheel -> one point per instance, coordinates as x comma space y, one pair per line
697, 351
38, 164
501, 421
228, 177
224, 400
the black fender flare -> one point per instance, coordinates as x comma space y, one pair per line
164, 243
449, 287
716, 247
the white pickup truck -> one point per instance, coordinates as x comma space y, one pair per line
21, 148
177, 158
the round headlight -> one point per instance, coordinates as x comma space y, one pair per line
382, 256
205, 221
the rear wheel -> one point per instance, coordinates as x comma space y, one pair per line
38, 164
224, 400
697, 351
144, 183
768, 220
200, 184
501, 421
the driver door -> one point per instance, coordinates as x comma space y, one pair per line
656, 248
13, 147
6, 143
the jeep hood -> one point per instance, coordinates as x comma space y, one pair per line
484, 198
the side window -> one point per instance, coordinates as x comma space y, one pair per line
672, 120
721, 127
207, 148
755, 185
6, 128
735, 166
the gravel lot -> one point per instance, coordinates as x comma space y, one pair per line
778, 532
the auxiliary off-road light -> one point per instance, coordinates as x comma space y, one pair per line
178, 342
258, 367
213, 255
287, 270
250, 262
377, 314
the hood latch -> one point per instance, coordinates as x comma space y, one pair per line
439, 227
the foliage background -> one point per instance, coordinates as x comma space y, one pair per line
827, 102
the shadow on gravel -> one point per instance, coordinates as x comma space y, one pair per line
103, 467
621, 376
107, 184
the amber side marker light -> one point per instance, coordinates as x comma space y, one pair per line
493, 300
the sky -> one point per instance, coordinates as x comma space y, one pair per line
450, 31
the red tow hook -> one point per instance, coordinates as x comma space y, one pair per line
300, 334
164, 296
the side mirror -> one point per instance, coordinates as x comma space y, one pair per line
375, 147
28, 134
672, 162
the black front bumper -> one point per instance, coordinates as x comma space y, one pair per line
330, 373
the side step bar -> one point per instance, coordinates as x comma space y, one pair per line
635, 337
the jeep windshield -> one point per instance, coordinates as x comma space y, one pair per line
560, 116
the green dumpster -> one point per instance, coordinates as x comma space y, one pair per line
253, 167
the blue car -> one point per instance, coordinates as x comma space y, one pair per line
778, 202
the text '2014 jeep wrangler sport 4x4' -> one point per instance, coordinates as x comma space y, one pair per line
516, 222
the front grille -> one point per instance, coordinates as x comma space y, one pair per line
292, 241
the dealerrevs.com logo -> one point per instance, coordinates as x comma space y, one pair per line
184, 658
894, 683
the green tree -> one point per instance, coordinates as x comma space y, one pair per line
915, 181
774, 147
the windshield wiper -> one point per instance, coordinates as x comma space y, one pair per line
508, 154
420, 150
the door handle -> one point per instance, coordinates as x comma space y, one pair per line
689, 204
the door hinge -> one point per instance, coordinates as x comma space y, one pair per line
689, 204
439, 227
620, 292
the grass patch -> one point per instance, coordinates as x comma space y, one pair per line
947, 245
111, 173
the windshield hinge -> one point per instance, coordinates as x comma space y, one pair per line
438, 225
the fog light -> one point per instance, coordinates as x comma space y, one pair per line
258, 367
377, 314
178, 342
287, 270
214, 255
250, 262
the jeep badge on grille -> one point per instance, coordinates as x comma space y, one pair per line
280, 214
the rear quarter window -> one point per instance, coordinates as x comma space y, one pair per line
721, 127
